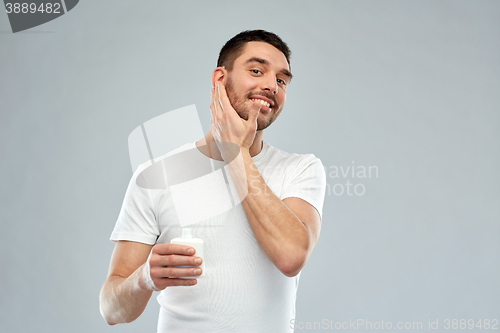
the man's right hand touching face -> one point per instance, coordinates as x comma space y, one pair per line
162, 264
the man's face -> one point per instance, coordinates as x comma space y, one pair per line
261, 73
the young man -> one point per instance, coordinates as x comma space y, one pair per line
252, 262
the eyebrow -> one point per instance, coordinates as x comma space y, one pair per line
284, 71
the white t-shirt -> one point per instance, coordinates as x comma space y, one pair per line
242, 290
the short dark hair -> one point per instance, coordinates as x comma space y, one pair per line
234, 47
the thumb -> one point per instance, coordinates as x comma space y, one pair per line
145, 275
254, 112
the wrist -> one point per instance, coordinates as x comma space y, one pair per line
145, 281
143, 276
245, 151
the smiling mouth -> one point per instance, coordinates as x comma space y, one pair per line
262, 102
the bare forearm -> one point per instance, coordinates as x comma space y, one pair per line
122, 300
281, 234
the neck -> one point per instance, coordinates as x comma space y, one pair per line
255, 148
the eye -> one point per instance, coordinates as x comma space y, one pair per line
256, 71
280, 81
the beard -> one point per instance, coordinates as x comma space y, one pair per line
242, 108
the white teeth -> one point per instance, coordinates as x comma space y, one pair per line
262, 102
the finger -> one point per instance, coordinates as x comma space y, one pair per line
224, 101
215, 117
217, 106
216, 101
212, 92
164, 249
218, 109
216, 128
169, 282
213, 110
174, 272
254, 113
219, 101
174, 260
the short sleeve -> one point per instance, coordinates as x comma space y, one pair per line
137, 220
307, 181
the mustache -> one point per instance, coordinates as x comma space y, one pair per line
265, 94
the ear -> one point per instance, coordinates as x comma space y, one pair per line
219, 75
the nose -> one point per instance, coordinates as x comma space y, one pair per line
270, 84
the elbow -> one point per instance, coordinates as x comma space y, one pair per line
117, 317
291, 266
290, 272
110, 323
109, 320
106, 309
113, 319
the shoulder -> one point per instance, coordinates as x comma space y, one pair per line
291, 160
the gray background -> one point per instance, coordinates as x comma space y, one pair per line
411, 87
